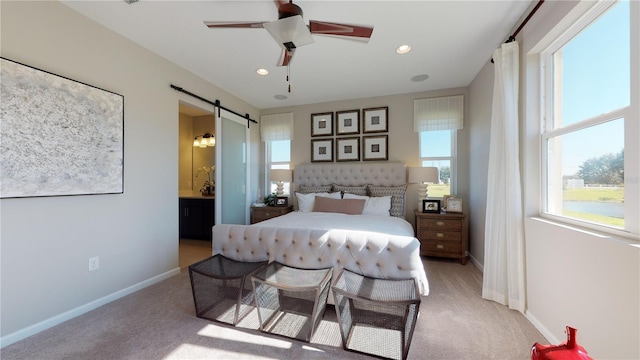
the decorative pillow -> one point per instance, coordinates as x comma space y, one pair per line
344, 206
357, 190
305, 201
306, 189
373, 205
397, 194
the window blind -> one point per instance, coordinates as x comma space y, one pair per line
276, 127
441, 113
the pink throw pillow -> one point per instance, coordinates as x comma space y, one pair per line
344, 206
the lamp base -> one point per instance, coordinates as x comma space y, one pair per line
423, 190
280, 188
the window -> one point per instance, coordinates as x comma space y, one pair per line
277, 132
591, 114
437, 148
278, 157
437, 121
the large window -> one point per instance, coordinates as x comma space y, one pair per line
590, 118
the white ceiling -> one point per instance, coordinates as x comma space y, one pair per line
451, 41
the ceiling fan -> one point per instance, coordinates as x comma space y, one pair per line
290, 31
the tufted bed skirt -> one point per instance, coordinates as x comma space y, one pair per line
371, 254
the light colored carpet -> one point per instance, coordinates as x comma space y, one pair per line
159, 323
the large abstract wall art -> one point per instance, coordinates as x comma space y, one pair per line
58, 136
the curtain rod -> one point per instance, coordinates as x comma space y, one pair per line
216, 104
524, 22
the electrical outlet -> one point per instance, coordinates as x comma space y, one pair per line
94, 263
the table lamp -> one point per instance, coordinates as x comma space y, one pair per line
423, 176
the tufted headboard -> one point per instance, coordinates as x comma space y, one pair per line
376, 173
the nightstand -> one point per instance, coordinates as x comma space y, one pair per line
443, 235
262, 213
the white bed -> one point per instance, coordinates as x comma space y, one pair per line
375, 246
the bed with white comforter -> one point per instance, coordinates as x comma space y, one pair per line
375, 246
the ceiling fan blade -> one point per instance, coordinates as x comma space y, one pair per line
240, 24
335, 29
279, 3
286, 57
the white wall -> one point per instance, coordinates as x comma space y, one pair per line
46, 242
404, 144
573, 277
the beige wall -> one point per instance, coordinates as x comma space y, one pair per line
185, 153
403, 142
46, 242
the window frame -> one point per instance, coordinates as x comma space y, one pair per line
269, 163
453, 169
630, 114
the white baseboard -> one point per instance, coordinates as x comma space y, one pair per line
67, 315
543, 330
476, 262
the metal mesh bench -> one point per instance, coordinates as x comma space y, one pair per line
220, 288
376, 316
291, 301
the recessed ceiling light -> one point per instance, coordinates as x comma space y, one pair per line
421, 77
403, 49
280, 97
262, 72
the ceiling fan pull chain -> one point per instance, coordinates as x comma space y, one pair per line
288, 82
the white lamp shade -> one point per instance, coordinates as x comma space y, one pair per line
283, 175
419, 175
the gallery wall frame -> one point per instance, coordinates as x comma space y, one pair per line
322, 124
375, 147
348, 122
322, 150
348, 149
375, 120
60, 136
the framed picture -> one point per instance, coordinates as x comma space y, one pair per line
375, 120
348, 122
431, 206
59, 136
322, 124
348, 149
282, 201
444, 201
454, 205
375, 147
322, 150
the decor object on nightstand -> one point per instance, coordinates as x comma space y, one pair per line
431, 206
565, 351
443, 235
281, 176
423, 176
454, 205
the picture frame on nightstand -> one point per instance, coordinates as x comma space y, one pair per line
431, 206
282, 201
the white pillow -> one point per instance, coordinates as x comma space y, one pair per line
306, 201
379, 205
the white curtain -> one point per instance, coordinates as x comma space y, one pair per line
504, 277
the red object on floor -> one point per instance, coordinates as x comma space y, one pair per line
565, 351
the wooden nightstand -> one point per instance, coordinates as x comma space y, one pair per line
443, 235
262, 213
